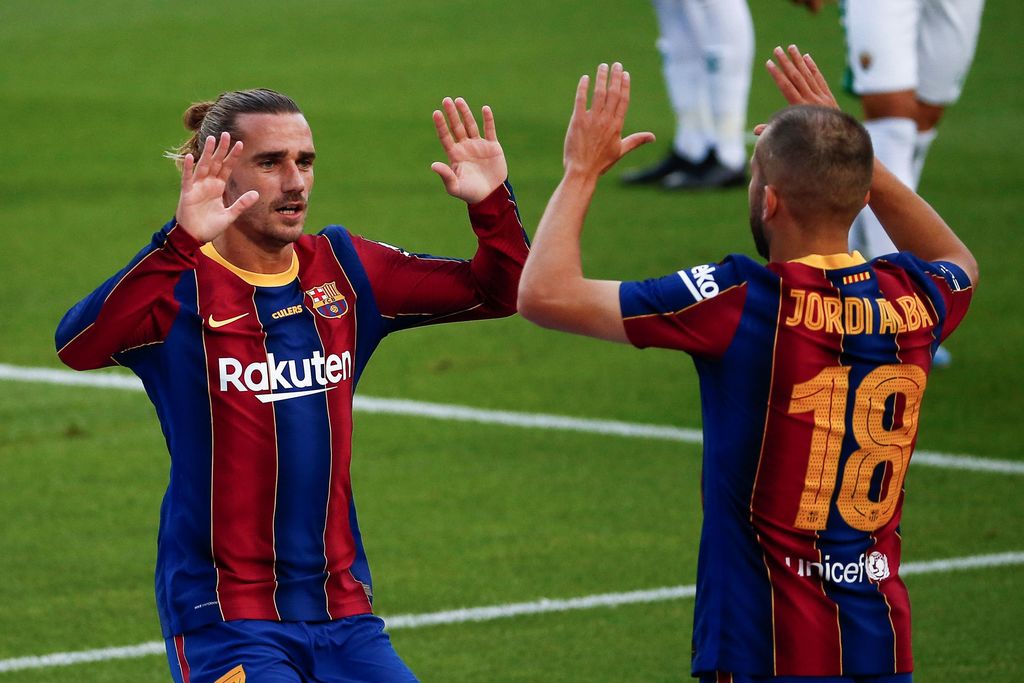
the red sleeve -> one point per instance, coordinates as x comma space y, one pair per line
955, 290
696, 310
419, 289
133, 308
945, 284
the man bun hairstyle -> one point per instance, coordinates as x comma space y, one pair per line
194, 115
819, 159
221, 115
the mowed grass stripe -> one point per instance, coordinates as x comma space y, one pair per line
445, 411
493, 612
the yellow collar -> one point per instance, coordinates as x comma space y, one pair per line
831, 261
255, 279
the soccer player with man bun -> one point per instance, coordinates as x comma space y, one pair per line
250, 337
812, 370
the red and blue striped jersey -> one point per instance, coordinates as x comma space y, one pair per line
252, 377
811, 378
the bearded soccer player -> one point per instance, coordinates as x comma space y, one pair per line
812, 370
250, 337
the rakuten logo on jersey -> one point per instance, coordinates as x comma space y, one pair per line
273, 376
874, 567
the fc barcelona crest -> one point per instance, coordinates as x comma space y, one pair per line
328, 301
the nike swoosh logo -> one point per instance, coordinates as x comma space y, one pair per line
271, 398
214, 324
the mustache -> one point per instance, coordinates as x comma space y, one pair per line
290, 198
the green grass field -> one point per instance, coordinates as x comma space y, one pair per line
456, 514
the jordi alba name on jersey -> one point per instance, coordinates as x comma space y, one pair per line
811, 379
252, 377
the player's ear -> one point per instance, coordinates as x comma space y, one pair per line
770, 203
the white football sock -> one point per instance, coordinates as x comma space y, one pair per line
922, 143
728, 58
893, 139
685, 76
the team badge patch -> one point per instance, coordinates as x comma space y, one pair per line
866, 60
328, 301
877, 566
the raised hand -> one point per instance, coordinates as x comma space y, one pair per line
201, 211
594, 141
798, 78
476, 165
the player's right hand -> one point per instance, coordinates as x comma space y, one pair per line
201, 211
594, 140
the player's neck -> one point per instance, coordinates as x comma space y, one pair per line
783, 250
267, 257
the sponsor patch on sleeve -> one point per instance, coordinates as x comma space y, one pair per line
700, 280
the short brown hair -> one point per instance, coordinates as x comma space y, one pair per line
221, 115
819, 159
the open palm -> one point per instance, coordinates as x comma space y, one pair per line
201, 211
476, 165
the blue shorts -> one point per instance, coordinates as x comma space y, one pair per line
743, 678
340, 651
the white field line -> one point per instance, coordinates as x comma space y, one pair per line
491, 613
446, 411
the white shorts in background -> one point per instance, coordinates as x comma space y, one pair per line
921, 45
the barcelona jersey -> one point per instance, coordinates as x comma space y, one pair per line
252, 377
811, 378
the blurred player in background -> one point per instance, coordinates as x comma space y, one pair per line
707, 47
250, 337
812, 370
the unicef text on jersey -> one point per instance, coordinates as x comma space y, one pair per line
874, 566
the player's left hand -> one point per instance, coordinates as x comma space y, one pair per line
476, 165
799, 80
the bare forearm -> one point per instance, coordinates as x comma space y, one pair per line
913, 225
553, 291
555, 264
